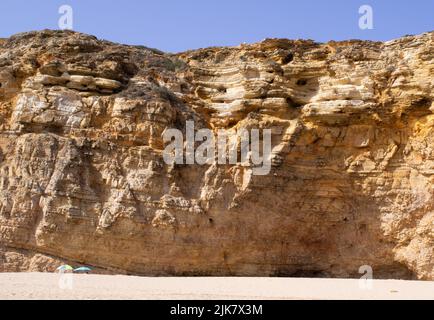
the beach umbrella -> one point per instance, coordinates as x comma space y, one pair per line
65, 267
83, 269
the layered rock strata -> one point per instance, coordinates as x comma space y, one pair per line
82, 176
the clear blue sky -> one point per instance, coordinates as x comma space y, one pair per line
177, 25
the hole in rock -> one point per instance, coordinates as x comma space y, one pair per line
288, 58
301, 82
292, 104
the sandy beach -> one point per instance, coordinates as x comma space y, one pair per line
75, 286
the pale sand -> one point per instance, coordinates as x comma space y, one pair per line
46, 286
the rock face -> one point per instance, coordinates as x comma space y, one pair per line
82, 176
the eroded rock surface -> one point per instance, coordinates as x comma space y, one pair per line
82, 177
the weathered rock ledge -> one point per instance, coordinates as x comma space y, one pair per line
82, 177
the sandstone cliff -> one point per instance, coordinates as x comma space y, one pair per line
82, 177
